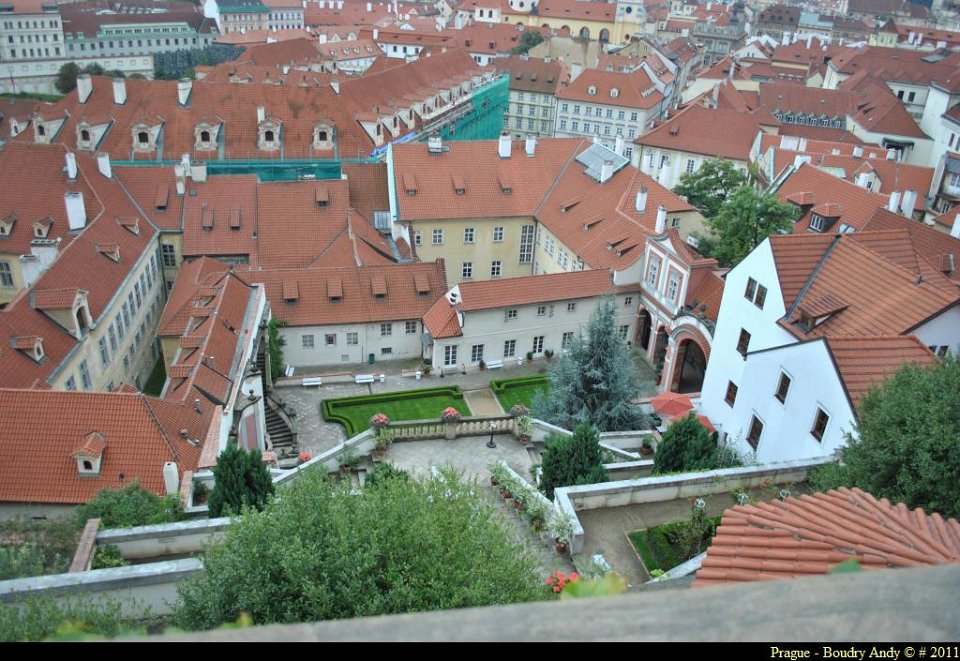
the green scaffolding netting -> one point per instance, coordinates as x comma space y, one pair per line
485, 120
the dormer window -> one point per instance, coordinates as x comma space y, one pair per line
89, 454
322, 137
31, 346
84, 137
322, 196
143, 139
204, 136
111, 251
592, 90
614, 92
41, 229
41, 130
806, 322
6, 224
269, 135
817, 223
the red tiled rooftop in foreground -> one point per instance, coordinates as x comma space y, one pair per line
810, 535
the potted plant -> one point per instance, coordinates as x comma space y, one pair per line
529, 356
450, 418
427, 369
348, 463
378, 421
304, 457
536, 512
646, 448
483, 365
498, 474
520, 498
524, 429
561, 527
382, 439
548, 354
200, 493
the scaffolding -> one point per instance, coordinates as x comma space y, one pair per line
484, 121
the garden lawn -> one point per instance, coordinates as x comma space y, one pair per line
427, 404
666, 546
518, 391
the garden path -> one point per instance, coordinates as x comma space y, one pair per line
482, 402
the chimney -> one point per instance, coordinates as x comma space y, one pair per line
285, 69
715, 96
84, 87
181, 177
647, 165
863, 179
119, 91
661, 220
894, 202
955, 230
184, 86
641, 204
606, 171
858, 152
505, 145
664, 178
103, 164
376, 34
76, 212
171, 478
71, 166
261, 114
908, 203
618, 145
891, 154
43, 253
530, 146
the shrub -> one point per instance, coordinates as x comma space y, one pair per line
128, 507
688, 446
241, 480
570, 460
108, 557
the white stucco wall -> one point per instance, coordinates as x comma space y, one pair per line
370, 340
943, 330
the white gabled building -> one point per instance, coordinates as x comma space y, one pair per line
808, 322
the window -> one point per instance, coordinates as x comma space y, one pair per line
306, 341
563, 125
674, 222
731, 396
817, 223
756, 429
509, 348
386, 329
169, 254
6, 275
417, 237
526, 244
104, 356
85, 376
541, 310
386, 351
476, 353
820, 424
510, 314
751, 289
562, 258
576, 110
624, 332
743, 343
690, 165
761, 296
566, 340
755, 292
653, 271
495, 268
548, 245
466, 272
538, 344
783, 387
437, 237
330, 339
911, 97
565, 107
450, 355
71, 384
575, 125
628, 300
498, 234
126, 314
353, 339
571, 307
409, 327
633, 117
113, 337
468, 234
673, 286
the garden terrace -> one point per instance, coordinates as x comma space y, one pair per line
426, 404
520, 390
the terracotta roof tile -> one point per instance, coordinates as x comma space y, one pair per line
693, 130
486, 294
864, 362
534, 74
634, 90
819, 532
938, 250
857, 204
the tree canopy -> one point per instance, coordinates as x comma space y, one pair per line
906, 443
570, 460
528, 40
688, 446
241, 480
742, 222
711, 185
594, 380
324, 551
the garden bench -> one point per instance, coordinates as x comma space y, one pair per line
364, 378
494, 364
413, 371
450, 369
311, 381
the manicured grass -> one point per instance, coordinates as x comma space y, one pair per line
662, 547
518, 391
158, 377
354, 412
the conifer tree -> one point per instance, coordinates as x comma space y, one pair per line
241, 478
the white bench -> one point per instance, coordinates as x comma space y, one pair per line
450, 369
364, 378
414, 372
311, 381
494, 364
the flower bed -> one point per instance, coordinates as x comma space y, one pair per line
354, 413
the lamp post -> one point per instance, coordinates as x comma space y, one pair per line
491, 443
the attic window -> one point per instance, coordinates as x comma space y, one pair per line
614, 93
422, 285
817, 223
459, 186
205, 136
334, 290
410, 184
143, 137
40, 228
206, 220
41, 130
592, 90
322, 196
806, 322
569, 204
132, 225
112, 251
378, 285
163, 193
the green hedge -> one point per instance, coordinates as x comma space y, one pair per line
502, 385
354, 412
518, 391
656, 545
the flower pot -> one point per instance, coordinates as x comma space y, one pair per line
517, 505
560, 547
506, 495
646, 450
537, 525
523, 439
379, 454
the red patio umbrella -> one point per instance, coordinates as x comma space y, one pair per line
705, 421
671, 404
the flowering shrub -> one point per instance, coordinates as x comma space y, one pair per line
450, 414
558, 580
304, 457
518, 410
378, 420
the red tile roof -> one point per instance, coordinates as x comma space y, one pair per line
694, 130
899, 65
486, 294
940, 251
535, 74
633, 90
187, 288
291, 51
572, 9
856, 203
865, 362
810, 535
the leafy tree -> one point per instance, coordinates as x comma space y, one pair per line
572, 460
688, 446
385, 471
322, 552
114, 73
241, 479
67, 77
275, 344
710, 186
905, 445
130, 506
528, 40
137, 76
742, 222
594, 381
93, 69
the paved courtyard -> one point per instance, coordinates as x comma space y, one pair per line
470, 455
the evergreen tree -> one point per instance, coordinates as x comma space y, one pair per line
241, 479
594, 381
688, 446
570, 460
67, 78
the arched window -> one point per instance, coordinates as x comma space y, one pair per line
268, 135
87, 465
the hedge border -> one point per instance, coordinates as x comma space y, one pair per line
502, 385
328, 406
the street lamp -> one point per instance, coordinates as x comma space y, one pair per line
491, 443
